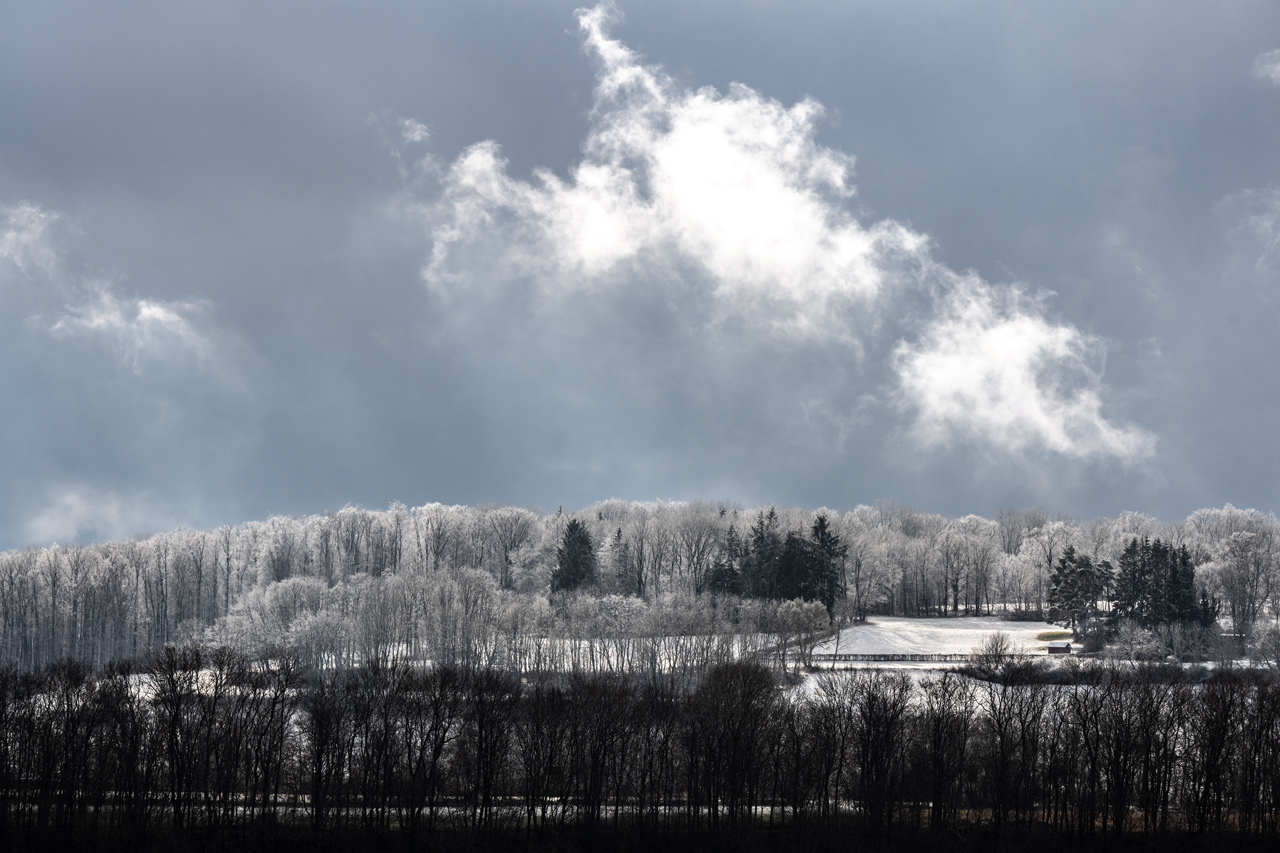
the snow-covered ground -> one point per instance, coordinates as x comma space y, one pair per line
893, 635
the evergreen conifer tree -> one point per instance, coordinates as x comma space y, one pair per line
1075, 585
797, 567
1132, 583
1156, 585
623, 565
828, 584
575, 559
764, 552
725, 577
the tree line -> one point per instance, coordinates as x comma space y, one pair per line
1154, 588
217, 744
459, 582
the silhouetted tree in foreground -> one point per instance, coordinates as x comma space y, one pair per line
213, 745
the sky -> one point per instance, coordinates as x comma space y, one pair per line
281, 258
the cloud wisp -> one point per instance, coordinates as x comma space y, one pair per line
136, 329
1266, 66
1255, 214
80, 512
25, 239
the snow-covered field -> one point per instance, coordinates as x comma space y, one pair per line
893, 635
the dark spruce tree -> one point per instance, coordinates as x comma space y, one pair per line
828, 582
805, 568
624, 567
797, 567
1156, 585
1182, 604
725, 577
1132, 582
575, 559
764, 553
1075, 586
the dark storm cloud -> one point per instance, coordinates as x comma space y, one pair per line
278, 260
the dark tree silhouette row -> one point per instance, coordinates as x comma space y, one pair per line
216, 743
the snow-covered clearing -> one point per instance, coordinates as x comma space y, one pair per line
894, 635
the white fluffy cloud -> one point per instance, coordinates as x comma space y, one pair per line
990, 366
734, 186
732, 196
1266, 66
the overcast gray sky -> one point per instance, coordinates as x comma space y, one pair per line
278, 258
